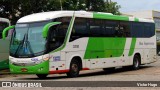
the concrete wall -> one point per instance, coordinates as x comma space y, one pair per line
156, 14
141, 14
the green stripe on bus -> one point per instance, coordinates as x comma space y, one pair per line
132, 47
136, 19
104, 47
110, 17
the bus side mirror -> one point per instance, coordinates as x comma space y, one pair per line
4, 33
47, 27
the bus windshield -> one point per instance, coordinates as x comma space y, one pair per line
27, 40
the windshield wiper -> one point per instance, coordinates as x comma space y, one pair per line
21, 43
28, 44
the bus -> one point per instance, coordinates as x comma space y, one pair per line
70, 41
4, 44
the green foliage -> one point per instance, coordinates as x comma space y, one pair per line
74, 5
15, 9
112, 7
95, 5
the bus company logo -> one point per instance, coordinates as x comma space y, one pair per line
6, 84
34, 59
56, 58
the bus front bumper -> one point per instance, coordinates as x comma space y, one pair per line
42, 68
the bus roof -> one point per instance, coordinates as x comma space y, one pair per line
43, 16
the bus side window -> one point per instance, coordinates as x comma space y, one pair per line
57, 33
3, 25
53, 43
125, 29
148, 30
79, 29
111, 28
96, 28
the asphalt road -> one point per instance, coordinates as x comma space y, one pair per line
149, 72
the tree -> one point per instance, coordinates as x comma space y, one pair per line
9, 9
95, 5
112, 7
92, 5
15, 9
74, 5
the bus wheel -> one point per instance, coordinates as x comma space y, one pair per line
136, 62
42, 76
74, 69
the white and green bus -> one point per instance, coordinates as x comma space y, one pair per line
4, 44
70, 41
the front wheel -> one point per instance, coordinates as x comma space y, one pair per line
42, 76
136, 62
74, 69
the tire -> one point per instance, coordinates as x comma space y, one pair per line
109, 69
136, 62
42, 76
74, 69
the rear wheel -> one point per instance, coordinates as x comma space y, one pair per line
42, 76
136, 62
74, 69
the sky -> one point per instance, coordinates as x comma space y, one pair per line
138, 5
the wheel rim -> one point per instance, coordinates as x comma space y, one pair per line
136, 63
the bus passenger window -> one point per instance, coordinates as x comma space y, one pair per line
53, 40
57, 33
125, 29
79, 29
111, 28
3, 25
96, 29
